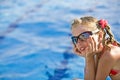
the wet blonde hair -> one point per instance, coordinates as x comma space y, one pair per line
89, 20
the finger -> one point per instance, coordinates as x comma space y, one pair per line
94, 45
87, 51
88, 48
90, 45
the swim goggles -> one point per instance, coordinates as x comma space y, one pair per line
83, 36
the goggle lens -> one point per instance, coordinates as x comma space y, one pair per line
83, 36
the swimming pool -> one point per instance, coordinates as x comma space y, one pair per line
35, 37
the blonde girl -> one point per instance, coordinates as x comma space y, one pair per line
94, 40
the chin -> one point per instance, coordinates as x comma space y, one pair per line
83, 54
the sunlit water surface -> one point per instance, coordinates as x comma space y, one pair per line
35, 37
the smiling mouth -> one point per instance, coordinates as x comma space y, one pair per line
82, 49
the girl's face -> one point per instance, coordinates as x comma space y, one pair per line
84, 39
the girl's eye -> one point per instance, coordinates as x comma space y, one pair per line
82, 38
86, 35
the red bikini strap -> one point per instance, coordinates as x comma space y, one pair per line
113, 72
115, 43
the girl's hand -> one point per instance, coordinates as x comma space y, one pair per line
92, 47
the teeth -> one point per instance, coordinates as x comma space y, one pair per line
81, 49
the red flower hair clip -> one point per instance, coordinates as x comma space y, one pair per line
103, 23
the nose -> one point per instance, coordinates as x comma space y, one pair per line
79, 42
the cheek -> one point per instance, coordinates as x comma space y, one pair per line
82, 44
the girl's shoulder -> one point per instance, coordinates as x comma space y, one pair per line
114, 51
111, 52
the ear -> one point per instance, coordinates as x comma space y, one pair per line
100, 38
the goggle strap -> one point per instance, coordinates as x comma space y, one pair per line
93, 32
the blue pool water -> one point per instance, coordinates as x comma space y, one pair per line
35, 37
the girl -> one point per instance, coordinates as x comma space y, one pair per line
94, 40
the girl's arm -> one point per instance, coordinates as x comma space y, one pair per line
89, 68
91, 60
105, 65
